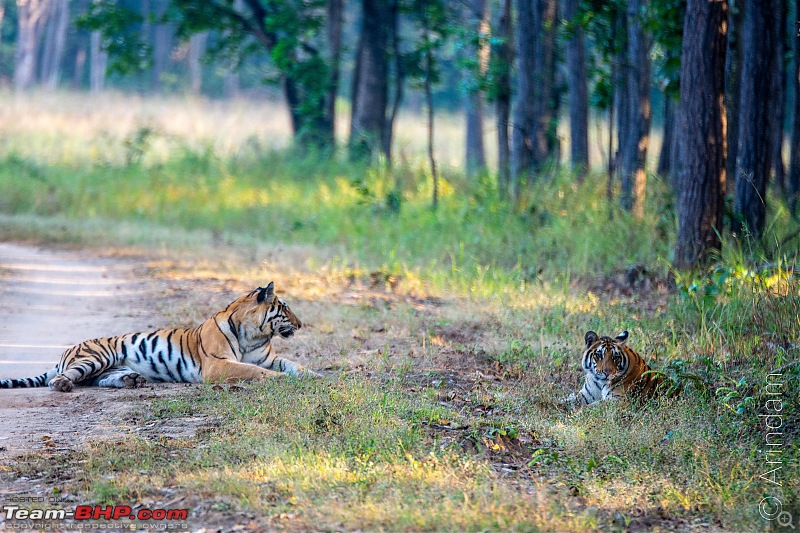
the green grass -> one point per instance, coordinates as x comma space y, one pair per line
407, 438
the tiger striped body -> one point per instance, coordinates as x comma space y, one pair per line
613, 371
234, 344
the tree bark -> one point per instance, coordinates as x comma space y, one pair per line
533, 134
98, 59
793, 182
399, 82
578, 92
335, 19
53, 52
759, 54
162, 45
30, 15
371, 81
664, 157
701, 129
634, 179
475, 155
504, 52
619, 81
779, 102
733, 78
197, 49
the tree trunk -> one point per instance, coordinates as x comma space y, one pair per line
793, 184
759, 54
733, 78
634, 179
30, 14
197, 49
371, 80
533, 134
475, 154
399, 82
98, 58
578, 92
504, 52
53, 52
619, 81
664, 157
779, 102
162, 45
335, 20
701, 198
429, 105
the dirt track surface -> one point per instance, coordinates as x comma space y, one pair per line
50, 300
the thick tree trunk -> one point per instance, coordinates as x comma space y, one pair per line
578, 92
533, 134
779, 102
30, 15
475, 154
733, 78
55, 38
759, 43
701, 198
371, 80
664, 157
197, 49
504, 52
98, 58
633, 177
793, 183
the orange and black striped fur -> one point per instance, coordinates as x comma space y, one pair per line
234, 344
614, 371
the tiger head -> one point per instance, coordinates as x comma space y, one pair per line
257, 316
606, 358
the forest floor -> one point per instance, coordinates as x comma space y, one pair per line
461, 408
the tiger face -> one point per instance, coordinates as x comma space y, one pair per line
259, 315
605, 357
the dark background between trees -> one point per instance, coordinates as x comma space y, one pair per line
722, 75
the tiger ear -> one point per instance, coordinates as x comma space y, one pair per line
622, 337
590, 338
267, 293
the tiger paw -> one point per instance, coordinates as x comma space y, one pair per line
133, 381
61, 384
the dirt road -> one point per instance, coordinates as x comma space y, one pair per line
50, 300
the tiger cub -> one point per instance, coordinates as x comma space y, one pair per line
234, 344
613, 371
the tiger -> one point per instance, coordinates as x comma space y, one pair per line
613, 371
234, 344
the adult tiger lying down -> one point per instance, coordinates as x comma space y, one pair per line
234, 344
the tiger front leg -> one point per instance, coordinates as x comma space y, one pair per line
226, 371
290, 367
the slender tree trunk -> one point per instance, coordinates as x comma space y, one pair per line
578, 92
197, 49
162, 46
733, 78
98, 58
399, 82
475, 156
779, 102
619, 81
56, 36
30, 14
793, 184
701, 198
371, 85
634, 179
504, 52
545, 134
759, 43
429, 105
664, 157
335, 19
